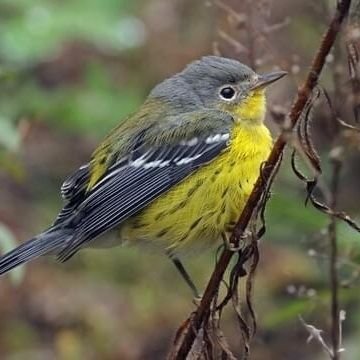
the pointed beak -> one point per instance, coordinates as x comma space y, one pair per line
266, 79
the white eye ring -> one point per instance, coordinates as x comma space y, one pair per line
227, 93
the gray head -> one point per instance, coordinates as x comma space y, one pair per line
212, 82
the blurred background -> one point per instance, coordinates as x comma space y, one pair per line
69, 71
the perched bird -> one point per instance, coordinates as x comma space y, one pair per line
175, 173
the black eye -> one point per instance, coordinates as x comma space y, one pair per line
227, 93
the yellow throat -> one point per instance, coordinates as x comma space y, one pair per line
251, 109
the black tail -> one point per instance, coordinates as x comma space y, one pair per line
50, 242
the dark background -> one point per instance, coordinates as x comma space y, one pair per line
69, 71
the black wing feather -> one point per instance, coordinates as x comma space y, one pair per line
75, 182
73, 190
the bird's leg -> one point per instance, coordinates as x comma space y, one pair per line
231, 246
185, 275
228, 244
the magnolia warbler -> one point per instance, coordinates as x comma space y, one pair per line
176, 172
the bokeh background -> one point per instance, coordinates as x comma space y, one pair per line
69, 71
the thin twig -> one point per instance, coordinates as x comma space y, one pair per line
201, 316
333, 269
336, 162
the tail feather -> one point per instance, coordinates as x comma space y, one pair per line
50, 242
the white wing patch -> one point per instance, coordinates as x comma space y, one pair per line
153, 164
217, 138
191, 142
186, 160
187, 151
141, 160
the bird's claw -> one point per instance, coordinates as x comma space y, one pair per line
197, 300
231, 247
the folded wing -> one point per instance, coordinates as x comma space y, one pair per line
132, 183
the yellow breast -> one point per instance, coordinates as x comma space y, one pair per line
206, 203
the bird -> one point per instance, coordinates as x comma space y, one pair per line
175, 173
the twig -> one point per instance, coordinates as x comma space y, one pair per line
335, 156
316, 334
201, 316
332, 231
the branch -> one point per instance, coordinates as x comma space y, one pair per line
333, 267
201, 316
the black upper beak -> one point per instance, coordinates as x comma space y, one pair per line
267, 79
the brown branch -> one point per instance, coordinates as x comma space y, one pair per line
202, 314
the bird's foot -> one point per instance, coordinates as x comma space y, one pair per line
197, 300
230, 246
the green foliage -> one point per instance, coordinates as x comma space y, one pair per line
93, 106
30, 30
9, 136
287, 312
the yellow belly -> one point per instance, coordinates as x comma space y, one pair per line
209, 201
